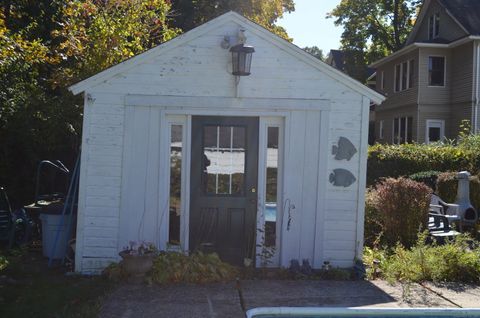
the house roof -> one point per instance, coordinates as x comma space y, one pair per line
465, 12
215, 23
337, 56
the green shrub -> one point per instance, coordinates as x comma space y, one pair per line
427, 177
401, 207
373, 226
447, 185
3, 262
407, 159
196, 268
456, 261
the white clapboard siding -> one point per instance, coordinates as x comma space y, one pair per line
121, 179
139, 212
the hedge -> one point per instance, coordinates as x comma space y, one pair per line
407, 159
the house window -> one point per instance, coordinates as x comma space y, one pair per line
411, 68
434, 26
435, 130
397, 85
436, 70
380, 130
404, 75
402, 130
382, 80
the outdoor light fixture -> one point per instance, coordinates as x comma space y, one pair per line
241, 59
241, 54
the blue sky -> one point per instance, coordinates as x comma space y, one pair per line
308, 26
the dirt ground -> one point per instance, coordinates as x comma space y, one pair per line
222, 300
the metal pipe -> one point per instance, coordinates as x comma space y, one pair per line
58, 165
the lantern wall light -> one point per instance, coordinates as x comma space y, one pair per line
241, 54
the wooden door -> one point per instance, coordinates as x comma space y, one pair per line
223, 180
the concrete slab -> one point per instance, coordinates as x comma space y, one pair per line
221, 300
467, 296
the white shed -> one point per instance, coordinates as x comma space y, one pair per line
178, 151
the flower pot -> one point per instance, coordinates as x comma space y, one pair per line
137, 265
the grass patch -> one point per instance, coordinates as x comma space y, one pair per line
28, 288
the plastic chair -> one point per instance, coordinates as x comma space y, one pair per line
450, 211
439, 227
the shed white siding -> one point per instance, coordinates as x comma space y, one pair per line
122, 167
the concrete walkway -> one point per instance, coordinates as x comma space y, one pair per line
221, 300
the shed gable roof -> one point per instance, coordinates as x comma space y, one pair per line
215, 23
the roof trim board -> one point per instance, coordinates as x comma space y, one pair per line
415, 45
215, 23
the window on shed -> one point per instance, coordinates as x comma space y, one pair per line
176, 138
271, 196
436, 70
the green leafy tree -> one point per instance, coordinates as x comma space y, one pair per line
188, 14
373, 29
98, 34
45, 46
315, 51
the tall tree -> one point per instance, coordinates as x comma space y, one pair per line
45, 45
374, 28
97, 34
188, 14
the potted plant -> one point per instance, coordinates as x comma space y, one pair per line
138, 258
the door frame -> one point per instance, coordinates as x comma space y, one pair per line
434, 123
188, 106
264, 124
184, 118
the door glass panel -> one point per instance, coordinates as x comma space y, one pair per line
224, 159
176, 133
271, 186
433, 134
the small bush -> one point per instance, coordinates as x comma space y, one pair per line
402, 208
455, 261
195, 268
373, 225
447, 185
